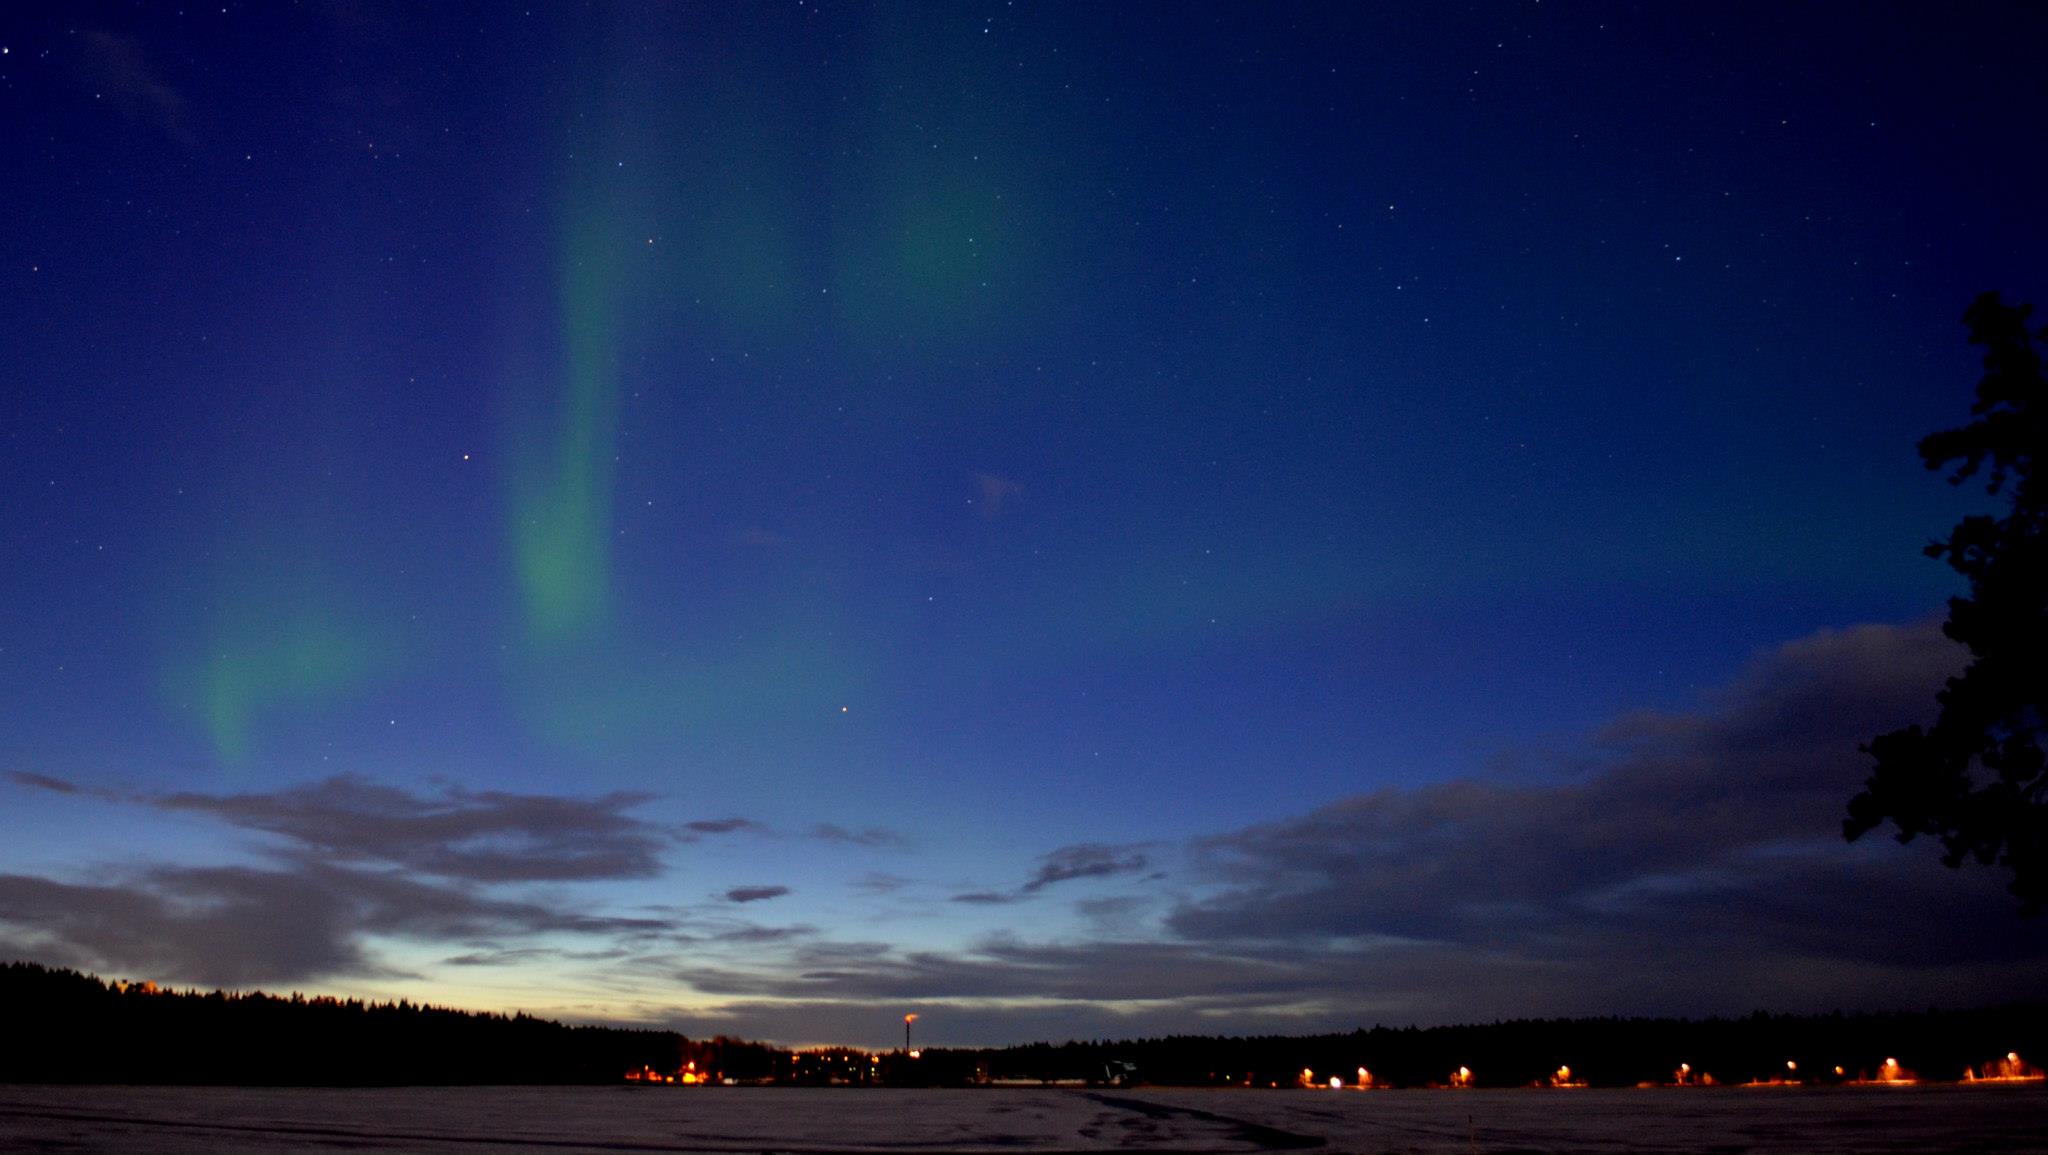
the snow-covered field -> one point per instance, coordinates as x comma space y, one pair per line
174, 1120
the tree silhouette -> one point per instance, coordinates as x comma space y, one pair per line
1976, 777
60, 1026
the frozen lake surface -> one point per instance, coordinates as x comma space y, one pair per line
483, 1120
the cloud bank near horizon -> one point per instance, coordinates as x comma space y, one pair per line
1674, 862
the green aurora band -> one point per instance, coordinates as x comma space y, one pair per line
562, 501
255, 668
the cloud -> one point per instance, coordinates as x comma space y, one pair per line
44, 782
1081, 860
357, 861
1682, 862
1005, 968
242, 926
496, 958
880, 882
874, 836
1678, 862
1693, 860
484, 836
755, 893
1668, 802
764, 934
1119, 915
1084, 860
725, 826
225, 927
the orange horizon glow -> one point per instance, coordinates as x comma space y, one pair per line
2009, 1069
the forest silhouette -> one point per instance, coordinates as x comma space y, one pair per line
62, 1026
65, 1027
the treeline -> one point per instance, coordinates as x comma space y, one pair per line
1615, 1052
60, 1026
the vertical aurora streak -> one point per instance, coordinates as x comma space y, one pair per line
251, 672
562, 501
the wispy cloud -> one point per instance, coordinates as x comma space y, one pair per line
725, 826
1084, 860
1003, 968
481, 836
747, 935
874, 836
497, 958
880, 882
44, 782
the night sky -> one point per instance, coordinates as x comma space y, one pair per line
1067, 519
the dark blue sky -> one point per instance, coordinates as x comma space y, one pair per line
1096, 508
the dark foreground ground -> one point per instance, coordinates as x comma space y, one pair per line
483, 1120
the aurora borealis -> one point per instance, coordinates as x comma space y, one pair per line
1065, 519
